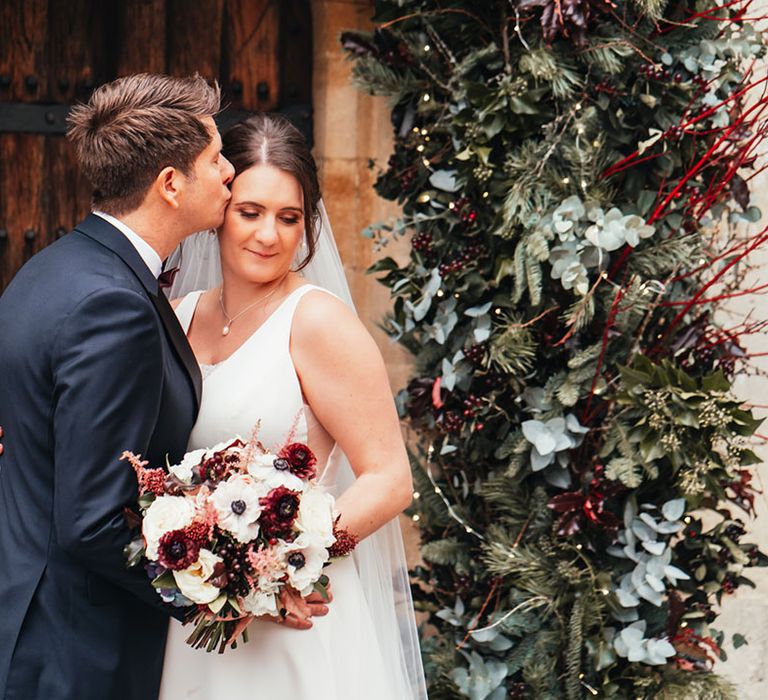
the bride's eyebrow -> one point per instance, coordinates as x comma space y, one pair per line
298, 210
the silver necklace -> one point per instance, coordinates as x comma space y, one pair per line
231, 319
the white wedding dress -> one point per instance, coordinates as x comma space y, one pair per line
340, 657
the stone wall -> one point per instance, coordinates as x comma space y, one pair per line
352, 129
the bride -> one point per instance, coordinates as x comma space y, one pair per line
293, 356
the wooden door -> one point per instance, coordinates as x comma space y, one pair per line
55, 52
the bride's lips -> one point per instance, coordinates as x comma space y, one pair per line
262, 256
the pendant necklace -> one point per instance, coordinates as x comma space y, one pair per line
231, 319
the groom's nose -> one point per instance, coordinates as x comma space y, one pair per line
227, 171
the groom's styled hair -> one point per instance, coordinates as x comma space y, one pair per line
135, 126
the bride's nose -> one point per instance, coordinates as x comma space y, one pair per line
266, 233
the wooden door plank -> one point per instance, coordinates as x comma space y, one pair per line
79, 57
194, 37
295, 52
251, 44
142, 37
23, 35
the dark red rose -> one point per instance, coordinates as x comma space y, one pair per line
177, 551
301, 459
280, 509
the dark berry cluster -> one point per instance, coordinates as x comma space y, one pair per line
472, 405
462, 207
217, 466
469, 255
422, 242
476, 353
235, 556
452, 422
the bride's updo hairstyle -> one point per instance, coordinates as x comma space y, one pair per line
270, 139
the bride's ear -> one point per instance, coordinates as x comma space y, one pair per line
168, 186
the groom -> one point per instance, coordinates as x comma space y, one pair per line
93, 362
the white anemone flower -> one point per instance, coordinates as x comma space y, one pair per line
237, 505
305, 558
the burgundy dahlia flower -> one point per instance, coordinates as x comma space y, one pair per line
280, 509
301, 459
177, 551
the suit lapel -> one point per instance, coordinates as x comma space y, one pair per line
107, 235
179, 339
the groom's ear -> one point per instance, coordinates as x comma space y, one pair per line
168, 185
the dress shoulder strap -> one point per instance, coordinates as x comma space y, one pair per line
185, 311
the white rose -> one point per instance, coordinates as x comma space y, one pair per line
304, 570
183, 470
259, 603
167, 513
192, 580
316, 516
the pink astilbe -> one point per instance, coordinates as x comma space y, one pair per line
150, 480
265, 562
205, 512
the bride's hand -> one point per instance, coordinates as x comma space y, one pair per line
296, 610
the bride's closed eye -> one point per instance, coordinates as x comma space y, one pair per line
287, 220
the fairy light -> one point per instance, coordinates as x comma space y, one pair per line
451, 510
416, 495
425, 162
423, 198
440, 293
485, 195
580, 129
596, 143
420, 148
415, 130
456, 295
416, 517
424, 132
427, 47
583, 184
426, 98
566, 180
497, 311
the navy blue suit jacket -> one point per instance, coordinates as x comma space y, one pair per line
92, 362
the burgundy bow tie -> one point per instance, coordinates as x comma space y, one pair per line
166, 277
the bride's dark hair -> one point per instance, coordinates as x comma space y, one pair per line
270, 139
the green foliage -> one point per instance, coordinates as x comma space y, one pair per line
583, 465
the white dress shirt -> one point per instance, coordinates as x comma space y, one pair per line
147, 252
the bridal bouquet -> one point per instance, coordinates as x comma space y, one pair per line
231, 527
